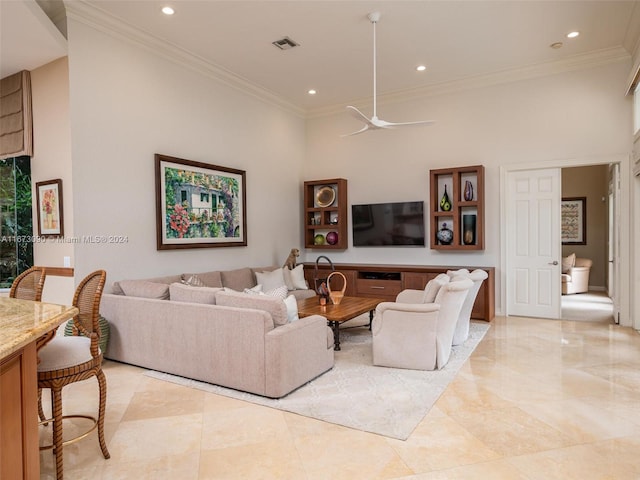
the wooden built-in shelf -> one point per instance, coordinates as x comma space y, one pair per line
464, 237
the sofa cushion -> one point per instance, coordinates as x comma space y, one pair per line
185, 293
294, 279
270, 280
209, 279
238, 279
568, 262
144, 289
274, 306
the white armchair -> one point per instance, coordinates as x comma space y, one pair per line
575, 279
462, 327
418, 335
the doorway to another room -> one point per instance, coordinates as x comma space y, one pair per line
589, 248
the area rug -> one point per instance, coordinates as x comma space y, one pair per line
356, 394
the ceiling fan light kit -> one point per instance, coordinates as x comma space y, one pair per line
375, 123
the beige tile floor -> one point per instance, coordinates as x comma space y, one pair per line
538, 399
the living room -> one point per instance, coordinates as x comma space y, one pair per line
118, 97
538, 121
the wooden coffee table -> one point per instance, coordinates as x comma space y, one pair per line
348, 309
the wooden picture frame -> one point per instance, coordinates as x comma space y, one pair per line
49, 208
574, 220
199, 205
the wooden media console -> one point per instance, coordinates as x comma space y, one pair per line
386, 281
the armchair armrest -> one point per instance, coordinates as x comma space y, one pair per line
402, 312
295, 353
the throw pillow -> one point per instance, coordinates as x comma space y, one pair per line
145, 289
292, 308
297, 278
286, 274
433, 287
185, 293
257, 290
280, 292
271, 280
208, 279
193, 281
568, 262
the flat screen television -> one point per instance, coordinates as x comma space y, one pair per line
399, 224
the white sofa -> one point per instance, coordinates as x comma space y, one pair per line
235, 340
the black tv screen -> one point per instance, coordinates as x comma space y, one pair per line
388, 224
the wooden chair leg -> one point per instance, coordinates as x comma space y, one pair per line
102, 382
56, 407
40, 410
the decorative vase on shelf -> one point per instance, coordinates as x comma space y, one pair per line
468, 191
445, 203
445, 235
469, 229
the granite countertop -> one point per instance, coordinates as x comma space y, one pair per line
24, 321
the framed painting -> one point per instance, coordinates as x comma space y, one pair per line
49, 202
199, 205
574, 220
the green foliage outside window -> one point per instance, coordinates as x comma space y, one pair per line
16, 226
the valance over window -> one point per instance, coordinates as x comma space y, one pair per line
16, 124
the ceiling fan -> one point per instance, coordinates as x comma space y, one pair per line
375, 123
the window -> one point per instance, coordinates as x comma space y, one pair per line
204, 197
183, 196
16, 227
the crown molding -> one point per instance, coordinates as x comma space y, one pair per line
575, 62
104, 22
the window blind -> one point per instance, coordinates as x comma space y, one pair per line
16, 123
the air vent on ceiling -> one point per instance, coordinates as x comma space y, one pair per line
285, 43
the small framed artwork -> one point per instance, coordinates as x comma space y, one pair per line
574, 220
199, 205
49, 201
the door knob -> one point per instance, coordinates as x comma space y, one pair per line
555, 262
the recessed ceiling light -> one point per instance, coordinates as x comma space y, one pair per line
556, 45
168, 10
421, 68
573, 34
312, 92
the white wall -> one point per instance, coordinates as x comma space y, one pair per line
578, 114
128, 104
52, 159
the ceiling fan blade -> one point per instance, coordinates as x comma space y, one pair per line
363, 129
374, 123
359, 115
383, 124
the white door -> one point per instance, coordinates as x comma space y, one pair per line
614, 240
533, 243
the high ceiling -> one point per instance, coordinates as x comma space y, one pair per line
456, 40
